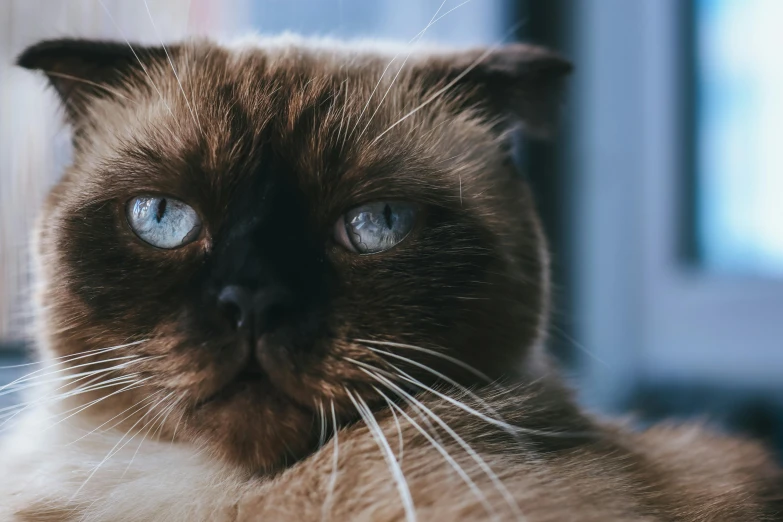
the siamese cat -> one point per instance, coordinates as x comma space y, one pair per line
296, 279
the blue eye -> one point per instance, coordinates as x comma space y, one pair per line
163, 222
375, 227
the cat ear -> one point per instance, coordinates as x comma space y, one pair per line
80, 70
519, 83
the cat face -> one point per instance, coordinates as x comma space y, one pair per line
274, 227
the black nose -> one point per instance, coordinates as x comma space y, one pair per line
236, 304
255, 312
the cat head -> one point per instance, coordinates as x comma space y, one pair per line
252, 238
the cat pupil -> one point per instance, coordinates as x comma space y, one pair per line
161, 210
387, 214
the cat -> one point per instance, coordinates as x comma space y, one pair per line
300, 279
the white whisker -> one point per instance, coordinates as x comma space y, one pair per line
193, 114
151, 424
176, 426
434, 353
391, 375
115, 449
137, 406
68, 359
388, 455
327, 506
143, 68
399, 71
33, 382
499, 422
399, 436
322, 423
88, 82
449, 85
463, 406
440, 449
345, 89
508, 497
492, 411
84, 389
92, 385
135, 384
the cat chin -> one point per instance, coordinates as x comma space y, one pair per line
252, 425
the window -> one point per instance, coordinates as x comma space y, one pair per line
739, 95
650, 319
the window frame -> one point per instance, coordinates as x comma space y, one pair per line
643, 311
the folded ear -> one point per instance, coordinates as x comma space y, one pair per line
518, 83
80, 70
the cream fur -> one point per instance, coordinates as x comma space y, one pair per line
665, 473
42, 469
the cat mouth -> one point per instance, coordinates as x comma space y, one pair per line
250, 372
261, 368
246, 377
253, 377
243, 387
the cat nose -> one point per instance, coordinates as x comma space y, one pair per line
236, 305
254, 312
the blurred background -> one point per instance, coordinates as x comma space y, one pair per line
662, 194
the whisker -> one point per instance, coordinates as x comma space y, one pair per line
462, 405
87, 82
135, 384
159, 430
345, 89
137, 406
372, 93
151, 424
176, 426
399, 436
68, 358
11, 407
383, 444
80, 390
327, 506
445, 378
464, 445
33, 382
322, 422
443, 15
509, 428
449, 85
92, 385
391, 375
434, 353
143, 68
96, 375
445, 454
114, 450
193, 114
416, 37
579, 346
399, 71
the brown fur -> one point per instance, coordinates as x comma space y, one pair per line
667, 473
297, 134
